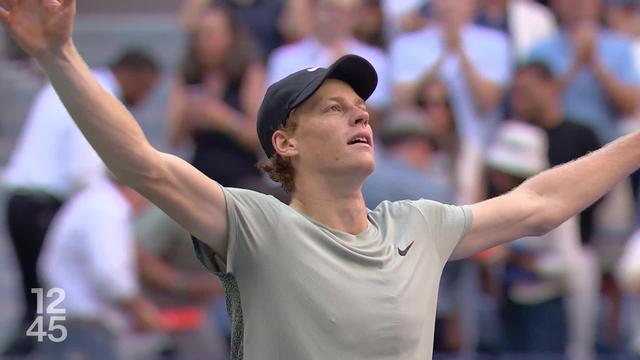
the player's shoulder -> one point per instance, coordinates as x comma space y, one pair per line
400, 208
250, 200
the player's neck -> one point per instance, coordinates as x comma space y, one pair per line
338, 207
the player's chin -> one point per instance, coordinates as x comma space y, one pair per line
365, 162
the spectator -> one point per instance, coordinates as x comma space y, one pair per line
215, 101
402, 166
535, 99
266, 19
332, 37
473, 61
525, 21
89, 253
623, 16
594, 66
178, 284
369, 26
459, 162
50, 162
536, 270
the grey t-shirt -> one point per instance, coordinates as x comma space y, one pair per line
297, 289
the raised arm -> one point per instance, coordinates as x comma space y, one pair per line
548, 199
43, 28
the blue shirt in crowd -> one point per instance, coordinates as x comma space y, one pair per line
584, 99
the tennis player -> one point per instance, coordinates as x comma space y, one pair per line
323, 277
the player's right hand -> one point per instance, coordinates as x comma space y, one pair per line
41, 27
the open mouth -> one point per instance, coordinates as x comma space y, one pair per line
360, 139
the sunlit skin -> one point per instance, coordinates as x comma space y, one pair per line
329, 171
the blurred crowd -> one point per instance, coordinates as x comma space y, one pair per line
473, 98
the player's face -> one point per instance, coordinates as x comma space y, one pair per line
333, 134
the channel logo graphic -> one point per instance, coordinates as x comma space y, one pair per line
55, 331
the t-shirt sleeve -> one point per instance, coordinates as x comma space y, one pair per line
446, 225
250, 215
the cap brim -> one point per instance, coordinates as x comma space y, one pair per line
353, 70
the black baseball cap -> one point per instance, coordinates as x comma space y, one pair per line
288, 93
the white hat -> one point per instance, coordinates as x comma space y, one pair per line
518, 149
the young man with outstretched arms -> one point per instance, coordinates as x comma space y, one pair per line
322, 277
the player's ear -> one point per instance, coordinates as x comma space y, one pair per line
284, 143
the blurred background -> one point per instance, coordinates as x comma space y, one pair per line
474, 97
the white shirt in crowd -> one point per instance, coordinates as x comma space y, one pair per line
308, 53
413, 55
89, 253
529, 23
51, 154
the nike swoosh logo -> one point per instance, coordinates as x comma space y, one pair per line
406, 250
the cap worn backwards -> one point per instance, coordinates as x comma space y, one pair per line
290, 92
